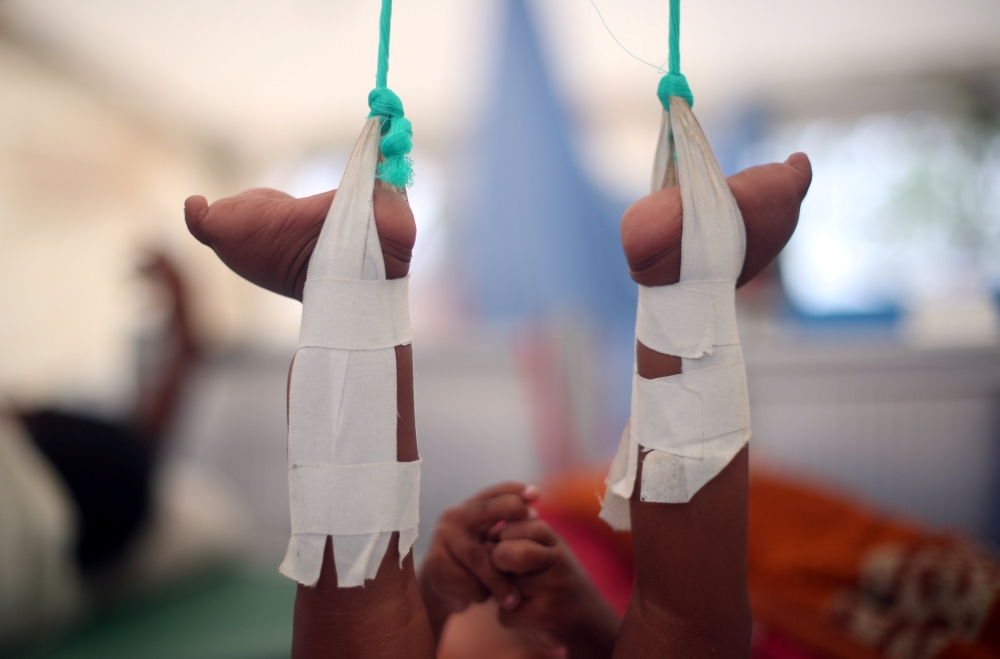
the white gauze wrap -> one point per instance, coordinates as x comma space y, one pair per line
343, 477
692, 423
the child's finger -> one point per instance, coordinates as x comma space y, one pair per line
526, 492
522, 556
457, 586
475, 558
478, 515
528, 529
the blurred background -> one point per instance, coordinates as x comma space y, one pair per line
872, 346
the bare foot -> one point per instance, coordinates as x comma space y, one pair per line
768, 196
268, 236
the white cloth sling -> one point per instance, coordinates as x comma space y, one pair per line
343, 477
693, 423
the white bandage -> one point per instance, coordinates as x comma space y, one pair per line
343, 477
356, 315
693, 423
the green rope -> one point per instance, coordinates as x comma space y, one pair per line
674, 83
674, 65
384, 20
397, 134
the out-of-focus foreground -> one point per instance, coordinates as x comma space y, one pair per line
872, 347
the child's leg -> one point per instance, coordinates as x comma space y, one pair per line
268, 237
690, 598
386, 618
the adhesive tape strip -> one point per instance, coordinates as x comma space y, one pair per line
354, 499
621, 482
358, 557
677, 414
723, 392
621, 476
667, 415
668, 478
675, 320
342, 407
687, 319
356, 315
723, 294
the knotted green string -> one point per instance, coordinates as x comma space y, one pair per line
674, 83
397, 134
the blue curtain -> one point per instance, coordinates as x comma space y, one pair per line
538, 238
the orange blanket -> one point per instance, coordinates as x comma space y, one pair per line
823, 571
855, 584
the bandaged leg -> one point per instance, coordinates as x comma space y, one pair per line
345, 480
689, 425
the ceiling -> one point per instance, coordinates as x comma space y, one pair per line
269, 75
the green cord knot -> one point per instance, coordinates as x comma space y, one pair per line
674, 84
397, 137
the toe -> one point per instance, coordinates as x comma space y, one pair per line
769, 197
800, 163
195, 210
